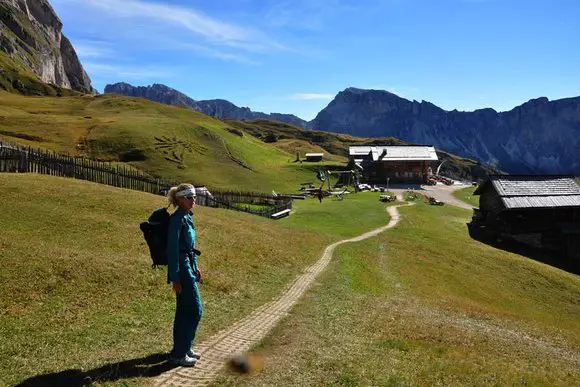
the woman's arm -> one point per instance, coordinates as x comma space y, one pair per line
173, 248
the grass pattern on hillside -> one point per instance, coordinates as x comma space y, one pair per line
173, 148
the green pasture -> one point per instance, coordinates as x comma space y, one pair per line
77, 289
422, 305
466, 195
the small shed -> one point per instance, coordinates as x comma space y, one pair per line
314, 156
543, 211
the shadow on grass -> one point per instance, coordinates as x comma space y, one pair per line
148, 366
549, 257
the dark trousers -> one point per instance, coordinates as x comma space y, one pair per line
188, 312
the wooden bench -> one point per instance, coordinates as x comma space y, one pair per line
281, 214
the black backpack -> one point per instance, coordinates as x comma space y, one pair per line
155, 231
155, 234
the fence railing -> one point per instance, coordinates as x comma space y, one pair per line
15, 158
29, 160
254, 203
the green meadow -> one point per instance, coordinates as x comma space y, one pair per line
466, 195
77, 289
421, 305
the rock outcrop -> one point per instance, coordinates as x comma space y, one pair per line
218, 108
31, 36
540, 136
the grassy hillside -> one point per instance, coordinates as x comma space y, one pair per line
77, 289
424, 305
173, 143
293, 139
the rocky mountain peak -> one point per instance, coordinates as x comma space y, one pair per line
31, 35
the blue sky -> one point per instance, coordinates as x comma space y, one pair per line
294, 56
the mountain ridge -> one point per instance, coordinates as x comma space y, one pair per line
217, 108
539, 136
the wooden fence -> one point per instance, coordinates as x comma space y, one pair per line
14, 158
246, 202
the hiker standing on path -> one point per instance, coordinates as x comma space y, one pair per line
183, 274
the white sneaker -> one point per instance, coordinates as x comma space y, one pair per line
193, 354
184, 361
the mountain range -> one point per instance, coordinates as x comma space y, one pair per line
218, 108
539, 136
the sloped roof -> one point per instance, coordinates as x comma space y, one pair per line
394, 152
535, 191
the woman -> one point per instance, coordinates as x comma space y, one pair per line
183, 274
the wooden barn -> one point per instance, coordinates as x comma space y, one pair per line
398, 163
543, 211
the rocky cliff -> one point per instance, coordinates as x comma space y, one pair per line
540, 136
31, 40
217, 108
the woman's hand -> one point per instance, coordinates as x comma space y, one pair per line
198, 275
177, 287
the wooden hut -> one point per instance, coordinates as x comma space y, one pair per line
398, 163
543, 211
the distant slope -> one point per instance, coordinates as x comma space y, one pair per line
173, 143
33, 50
335, 146
539, 136
217, 108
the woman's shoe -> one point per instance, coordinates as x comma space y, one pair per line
193, 354
184, 361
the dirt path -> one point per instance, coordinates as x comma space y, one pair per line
244, 334
442, 193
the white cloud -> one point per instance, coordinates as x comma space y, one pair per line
305, 14
213, 30
312, 96
212, 52
126, 72
91, 49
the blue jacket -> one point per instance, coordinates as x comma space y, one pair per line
180, 244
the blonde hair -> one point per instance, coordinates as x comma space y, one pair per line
173, 190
